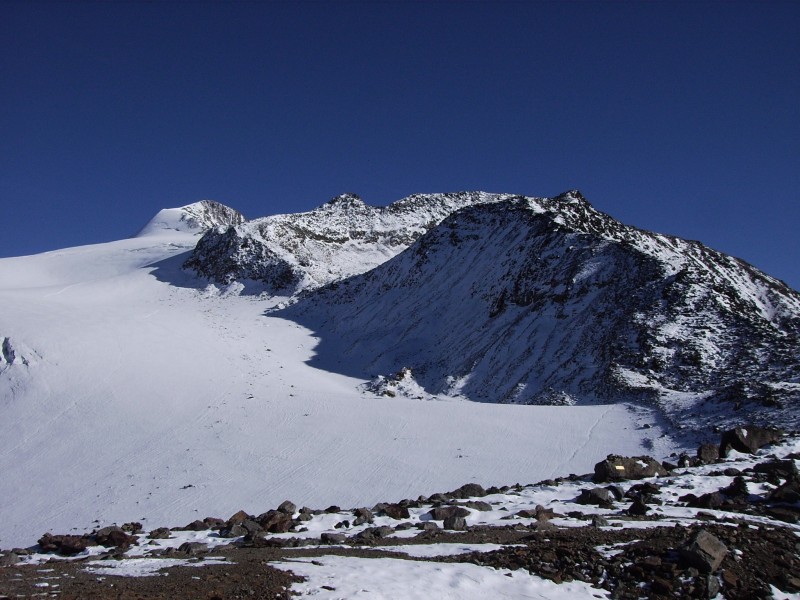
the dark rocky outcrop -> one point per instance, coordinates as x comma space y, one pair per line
621, 468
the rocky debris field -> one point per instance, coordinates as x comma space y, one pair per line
723, 523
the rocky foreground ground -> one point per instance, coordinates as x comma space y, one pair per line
725, 522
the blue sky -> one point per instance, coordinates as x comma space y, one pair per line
680, 117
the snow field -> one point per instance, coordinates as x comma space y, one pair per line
159, 402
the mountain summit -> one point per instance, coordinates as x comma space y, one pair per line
195, 218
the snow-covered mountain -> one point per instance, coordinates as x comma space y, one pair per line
131, 384
548, 301
286, 254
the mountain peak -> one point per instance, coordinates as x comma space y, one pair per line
197, 217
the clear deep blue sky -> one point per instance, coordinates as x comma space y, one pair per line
680, 117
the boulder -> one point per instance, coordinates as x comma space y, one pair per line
193, 548
195, 526
275, 521
620, 468
737, 488
708, 453
440, 513
64, 544
395, 511
597, 496
705, 552
788, 493
237, 518
232, 531
161, 533
114, 537
638, 508
287, 507
777, 469
598, 521
748, 439
375, 533
333, 538
455, 523
479, 505
469, 490
8, 560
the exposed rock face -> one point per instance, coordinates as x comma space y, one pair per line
552, 302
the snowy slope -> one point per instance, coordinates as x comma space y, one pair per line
547, 301
130, 389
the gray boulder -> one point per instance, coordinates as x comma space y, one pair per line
620, 468
705, 552
469, 490
748, 439
455, 523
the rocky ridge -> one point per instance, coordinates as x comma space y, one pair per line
549, 301
285, 254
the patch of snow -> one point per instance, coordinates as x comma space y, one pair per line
337, 577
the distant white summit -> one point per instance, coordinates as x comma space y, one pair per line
198, 217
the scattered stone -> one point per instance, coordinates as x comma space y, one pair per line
333, 509
705, 552
620, 468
